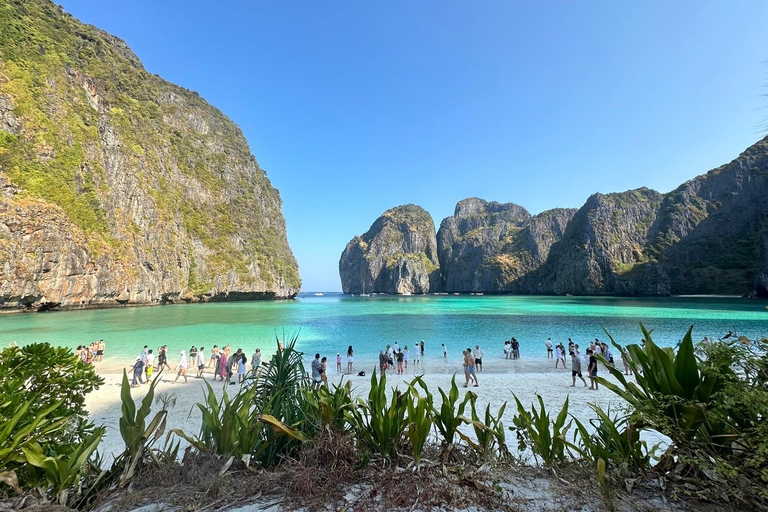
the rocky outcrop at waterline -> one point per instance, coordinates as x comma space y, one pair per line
708, 236
117, 187
398, 254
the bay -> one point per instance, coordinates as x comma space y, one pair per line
329, 323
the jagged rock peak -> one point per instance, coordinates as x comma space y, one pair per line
488, 246
397, 255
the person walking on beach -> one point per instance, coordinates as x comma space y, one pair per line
150, 368
469, 367
576, 368
317, 379
592, 369
445, 351
213, 361
399, 356
256, 362
350, 359
182, 367
548, 343
478, 358
162, 358
223, 363
241, 365
201, 363
138, 370
558, 356
626, 358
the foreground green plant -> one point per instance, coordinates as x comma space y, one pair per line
615, 444
420, 417
535, 430
490, 434
450, 416
380, 423
45, 437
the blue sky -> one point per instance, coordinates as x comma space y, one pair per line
354, 107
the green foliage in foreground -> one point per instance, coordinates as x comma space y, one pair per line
46, 442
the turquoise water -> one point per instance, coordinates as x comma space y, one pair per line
330, 323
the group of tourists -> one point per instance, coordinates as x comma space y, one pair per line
91, 353
393, 357
596, 348
512, 349
224, 363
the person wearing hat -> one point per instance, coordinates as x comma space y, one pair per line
183, 364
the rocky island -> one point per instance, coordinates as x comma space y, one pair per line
117, 187
708, 236
397, 255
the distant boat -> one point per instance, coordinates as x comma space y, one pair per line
318, 294
481, 293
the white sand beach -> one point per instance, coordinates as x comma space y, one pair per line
498, 381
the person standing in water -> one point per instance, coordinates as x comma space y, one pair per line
421, 346
445, 351
548, 343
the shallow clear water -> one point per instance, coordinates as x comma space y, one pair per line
330, 323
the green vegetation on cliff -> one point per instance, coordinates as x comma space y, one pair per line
126, 154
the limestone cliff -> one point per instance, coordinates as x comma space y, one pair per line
490, 247
602, 244
708, 236
117, 187
398, 254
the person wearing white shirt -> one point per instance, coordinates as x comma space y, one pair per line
478, 353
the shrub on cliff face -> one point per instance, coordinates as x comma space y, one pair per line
46, 442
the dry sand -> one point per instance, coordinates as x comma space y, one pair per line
500, 379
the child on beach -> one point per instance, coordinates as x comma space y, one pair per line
338, 363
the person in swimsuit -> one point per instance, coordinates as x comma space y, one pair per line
469, 367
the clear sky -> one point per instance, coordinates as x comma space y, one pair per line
353, 107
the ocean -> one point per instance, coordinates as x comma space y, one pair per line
328, 324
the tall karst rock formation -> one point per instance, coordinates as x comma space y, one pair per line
708, 236
398, 254
117, 187
490, 246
